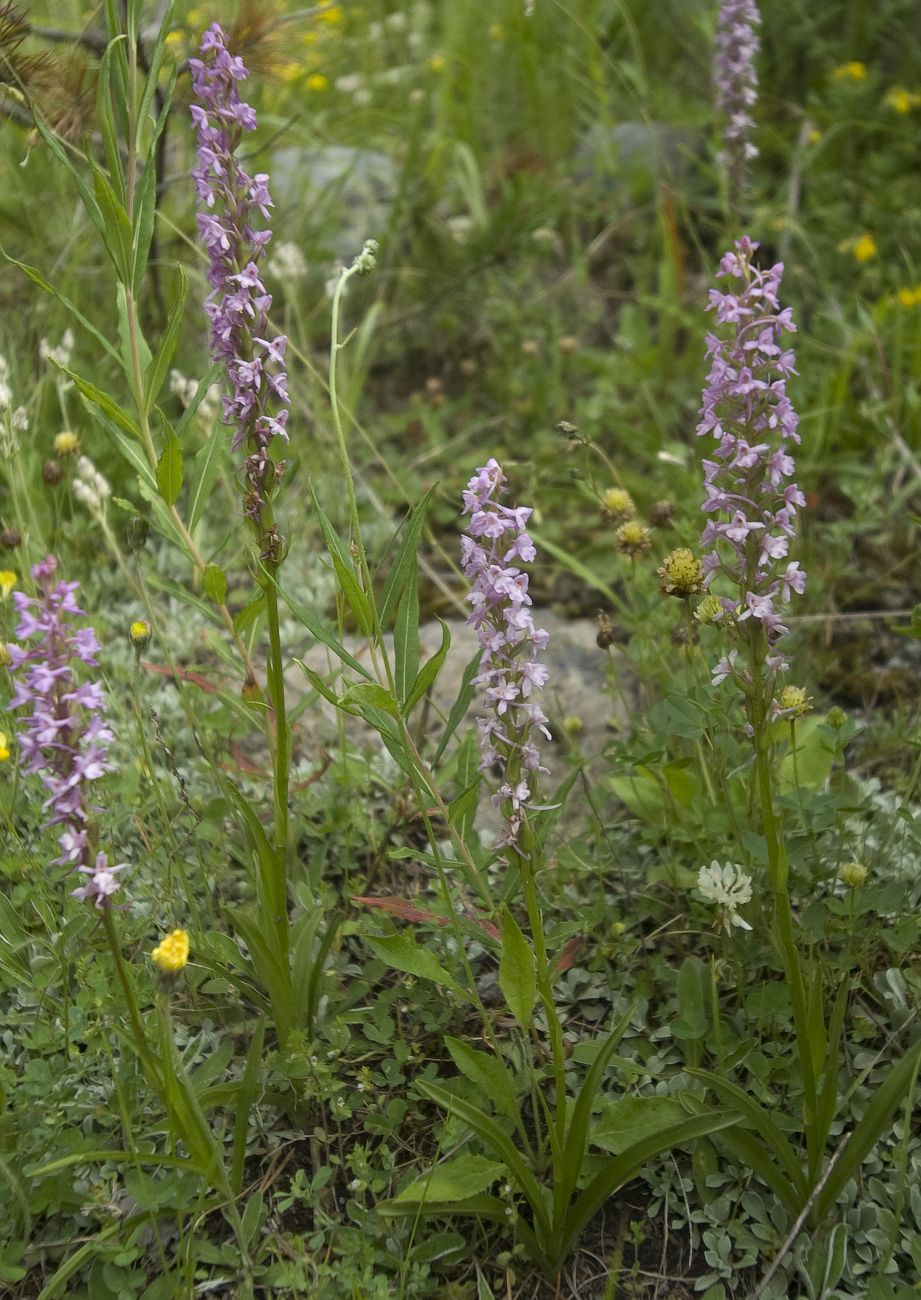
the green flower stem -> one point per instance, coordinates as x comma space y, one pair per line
524, 860
281, 761
778, 868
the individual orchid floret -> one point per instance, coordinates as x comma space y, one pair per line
728, 888
232, 205
65, 734
492, 550
735, 82
749, 487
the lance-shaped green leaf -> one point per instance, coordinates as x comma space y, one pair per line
517, 972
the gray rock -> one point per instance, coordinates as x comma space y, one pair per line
578, 687
637, 154
354, 188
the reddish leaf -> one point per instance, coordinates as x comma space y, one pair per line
184, 674
568, 955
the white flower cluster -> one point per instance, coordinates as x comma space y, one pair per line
62, 353
12, 422
728, 887
90, 487
287, 261
185, 389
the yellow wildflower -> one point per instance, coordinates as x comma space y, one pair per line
139, 634
290, 71
4, 748
854, 71
174, 41
332, 15
496, 32
794, 702
814, 136
66, 444
682, 573
310, 38
863, 248
619, 502
709, 610
901, 100
910, 297
632, 538
195, 18
853, 874
172, 952
7, 582
437, 62
316, 81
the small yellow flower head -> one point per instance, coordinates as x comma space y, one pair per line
910, 297
618, 928
332, 15
172, 952
865, 248
709, 610
853, 874
836, 717
139, 634
317, 82
854, 71
572, 725
632, 538
620, 503
814, 136
437, 63
7, 582
682, 573
496, 32
290, 71
4, 748
901, 100
66, 444
793, 702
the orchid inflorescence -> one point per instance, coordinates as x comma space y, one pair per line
735, 83
65, 736
749, 487
239, 303
492, 550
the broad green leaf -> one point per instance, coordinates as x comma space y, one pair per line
454, 1180
206, 465
499, 1143
693, 985
369, 695
460, 706
810, 767
214, 581
891, 1093
620, 1169
625, 1120
169, 469
404, 570
345, 572
642, 794
429, 671
102, 400
517, 972
401, 952
406, 639
490, 1075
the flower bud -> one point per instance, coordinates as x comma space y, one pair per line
52, 472
605, 637
136, 532
139, 635
793, 702
66, 444
709, 610
10, 538
632, 538
662, 513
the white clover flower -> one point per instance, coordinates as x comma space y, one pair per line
728, 887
